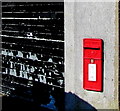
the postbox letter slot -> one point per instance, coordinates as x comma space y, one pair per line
91, 48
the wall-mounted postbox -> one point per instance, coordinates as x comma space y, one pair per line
92, 64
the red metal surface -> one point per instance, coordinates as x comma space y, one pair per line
92, 54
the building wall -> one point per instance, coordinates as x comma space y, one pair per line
33, 49
91, 20
32, 39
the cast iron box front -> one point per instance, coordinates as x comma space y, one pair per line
92, 64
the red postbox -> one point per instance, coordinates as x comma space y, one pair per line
92, 64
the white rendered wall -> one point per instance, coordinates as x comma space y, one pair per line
90, 20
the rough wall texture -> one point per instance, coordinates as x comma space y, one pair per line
91, 20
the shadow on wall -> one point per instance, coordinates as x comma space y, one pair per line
42, 97
74, 103
39, 97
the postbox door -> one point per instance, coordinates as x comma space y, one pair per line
92, 64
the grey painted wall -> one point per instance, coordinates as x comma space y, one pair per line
91, 20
